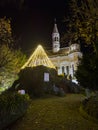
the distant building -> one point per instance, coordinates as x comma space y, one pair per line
65, 59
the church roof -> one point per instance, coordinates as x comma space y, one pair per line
61, 52
55, 29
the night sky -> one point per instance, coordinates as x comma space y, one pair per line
32, 20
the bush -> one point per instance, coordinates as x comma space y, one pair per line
91, 106
12, 107
73, 87
67, 85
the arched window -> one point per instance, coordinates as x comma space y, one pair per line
63, 70
54, 38
73, 69
57, 39
67, 69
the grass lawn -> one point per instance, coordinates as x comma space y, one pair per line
56, 113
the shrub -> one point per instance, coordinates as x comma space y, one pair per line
73, 87
61, 92
91, 106
67, 85
12, 107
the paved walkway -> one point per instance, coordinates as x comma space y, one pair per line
57, 113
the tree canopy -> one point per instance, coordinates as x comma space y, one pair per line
82, 21
11, 60
82, 27
5, 31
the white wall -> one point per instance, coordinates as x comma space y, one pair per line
68, 60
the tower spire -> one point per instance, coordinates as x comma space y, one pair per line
55, 29
55, 38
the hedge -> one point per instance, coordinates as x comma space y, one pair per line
12, 107
90, 107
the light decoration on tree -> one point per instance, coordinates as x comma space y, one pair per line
39, 57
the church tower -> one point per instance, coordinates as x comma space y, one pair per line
55, 39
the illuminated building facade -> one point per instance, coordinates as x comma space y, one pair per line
65, 59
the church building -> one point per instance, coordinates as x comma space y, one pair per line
65, 59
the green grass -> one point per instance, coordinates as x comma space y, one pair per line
56, 113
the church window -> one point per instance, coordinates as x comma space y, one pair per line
55, 39
73, 68
62, 69
67, 69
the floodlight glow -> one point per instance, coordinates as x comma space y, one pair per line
39, 57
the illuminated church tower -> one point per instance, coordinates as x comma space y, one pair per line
65, 59
55, 39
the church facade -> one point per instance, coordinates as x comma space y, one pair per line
65, 59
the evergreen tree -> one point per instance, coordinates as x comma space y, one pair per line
87, 73
82, 26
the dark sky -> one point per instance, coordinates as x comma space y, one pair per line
32, 20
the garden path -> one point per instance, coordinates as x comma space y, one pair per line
55, 113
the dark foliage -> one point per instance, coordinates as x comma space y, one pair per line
12, 107
91, 106
32, 81
67, 85
87, 73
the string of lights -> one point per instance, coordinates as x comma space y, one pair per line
39, 57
